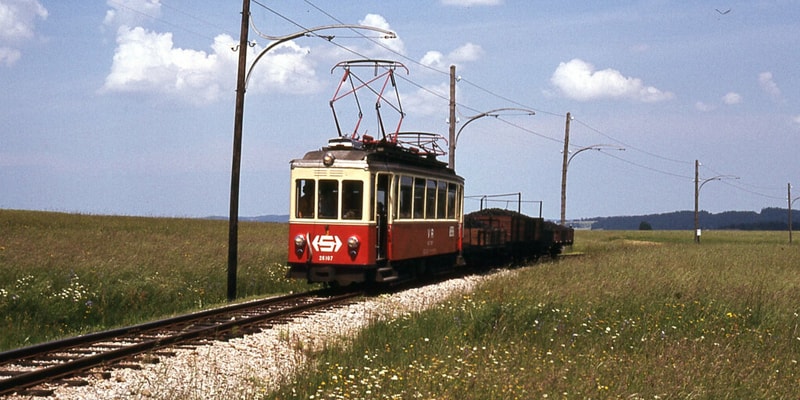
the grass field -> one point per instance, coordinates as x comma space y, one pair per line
641, 315
64, 274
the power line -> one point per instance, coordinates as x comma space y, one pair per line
434, 93
538, 110
753, 192
532, 132
198, 19
608, 154
476, 86
752, 187
629, 146
171, 24
281, 16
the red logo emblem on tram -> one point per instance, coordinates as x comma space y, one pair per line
326, 243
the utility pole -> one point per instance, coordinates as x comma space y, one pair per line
233, 218
697, 186
696, 201
452, 145
789, 197
564, 172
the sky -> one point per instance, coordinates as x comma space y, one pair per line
126, 107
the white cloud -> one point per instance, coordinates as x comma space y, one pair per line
796, 120
433, 58
700, 106
769, 86
17, 20
579, 80
9, 56
732, 98
148, 62
287, 68
467, 52
428, 101
464, 53
379, 21
470, 3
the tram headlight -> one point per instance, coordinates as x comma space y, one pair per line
299, 244
328, 159
352, 245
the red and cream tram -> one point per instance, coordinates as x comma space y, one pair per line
373, 211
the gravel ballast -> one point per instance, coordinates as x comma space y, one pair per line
246, 367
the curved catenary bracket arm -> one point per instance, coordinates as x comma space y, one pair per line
490, 113
716, 178
282, 39
598, 147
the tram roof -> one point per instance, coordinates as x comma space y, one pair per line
357, 153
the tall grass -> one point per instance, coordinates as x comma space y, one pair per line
641, 315
64, 274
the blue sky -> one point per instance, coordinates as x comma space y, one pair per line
127, 106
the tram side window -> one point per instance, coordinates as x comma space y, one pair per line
419, 198
304, 198
430, 199
441, 200
328, 199
405, 196
352, 199
452, 205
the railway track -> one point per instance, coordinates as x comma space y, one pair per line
34, 370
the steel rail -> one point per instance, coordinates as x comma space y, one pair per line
26, 380
64, 344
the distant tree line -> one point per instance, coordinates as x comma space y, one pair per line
774, 219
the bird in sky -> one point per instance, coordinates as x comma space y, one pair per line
723, 12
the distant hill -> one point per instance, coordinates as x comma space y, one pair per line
267, 218
261, 218
767, 219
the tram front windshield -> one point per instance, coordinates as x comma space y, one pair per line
322, 199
